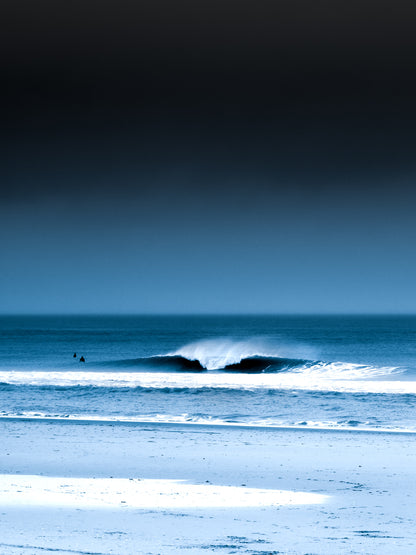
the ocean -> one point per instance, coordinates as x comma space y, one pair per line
320, 372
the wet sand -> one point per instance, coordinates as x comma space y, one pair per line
80, 487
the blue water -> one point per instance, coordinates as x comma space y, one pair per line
318, 372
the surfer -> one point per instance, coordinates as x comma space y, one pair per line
75, 355
82, 359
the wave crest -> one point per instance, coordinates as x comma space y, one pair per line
218, 354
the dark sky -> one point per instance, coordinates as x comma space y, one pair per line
221, 156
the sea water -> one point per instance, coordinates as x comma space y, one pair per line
342, 372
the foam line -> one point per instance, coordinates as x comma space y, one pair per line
186, 420
290, 381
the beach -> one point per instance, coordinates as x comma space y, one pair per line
207, 285
107, 487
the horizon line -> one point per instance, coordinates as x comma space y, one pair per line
198, 314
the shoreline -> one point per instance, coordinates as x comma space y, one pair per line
146, 423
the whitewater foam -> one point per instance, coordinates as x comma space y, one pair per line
345, 370
284, 381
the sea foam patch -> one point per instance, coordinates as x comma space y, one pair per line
134, 493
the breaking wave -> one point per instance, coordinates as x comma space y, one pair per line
179, 363
225, 354
217, 356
